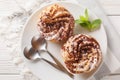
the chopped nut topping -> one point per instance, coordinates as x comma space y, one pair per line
83, 52
56, 23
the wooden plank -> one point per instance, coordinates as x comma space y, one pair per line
115, 20
6, 65
8, 71
111, 7
117, 77
6, 6
10, 77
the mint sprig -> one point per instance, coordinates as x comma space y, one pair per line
86, 23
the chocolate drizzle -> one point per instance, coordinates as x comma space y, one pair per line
83, 52
56, 21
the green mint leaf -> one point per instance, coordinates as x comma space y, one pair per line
86, 14
86, 24
82, 18
78, 21
96, 23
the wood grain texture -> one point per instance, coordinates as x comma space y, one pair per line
111, 7
10, 77
7, 7
111, 78
115, 20
6, 65
8, 71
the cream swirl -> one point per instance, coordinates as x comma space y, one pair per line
81, 53
56, 23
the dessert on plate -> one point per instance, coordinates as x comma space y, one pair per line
56, 23
81, 54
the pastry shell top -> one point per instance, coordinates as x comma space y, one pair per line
56, 23
81, 54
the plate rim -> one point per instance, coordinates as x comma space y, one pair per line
53, 2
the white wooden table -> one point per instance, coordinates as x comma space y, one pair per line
8, 71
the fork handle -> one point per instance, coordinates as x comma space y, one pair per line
52, 64
113, 74
60, 65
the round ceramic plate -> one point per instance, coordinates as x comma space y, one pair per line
40, 68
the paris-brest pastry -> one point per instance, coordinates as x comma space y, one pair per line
56, 23
81, 54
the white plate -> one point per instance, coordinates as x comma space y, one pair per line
42, 69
